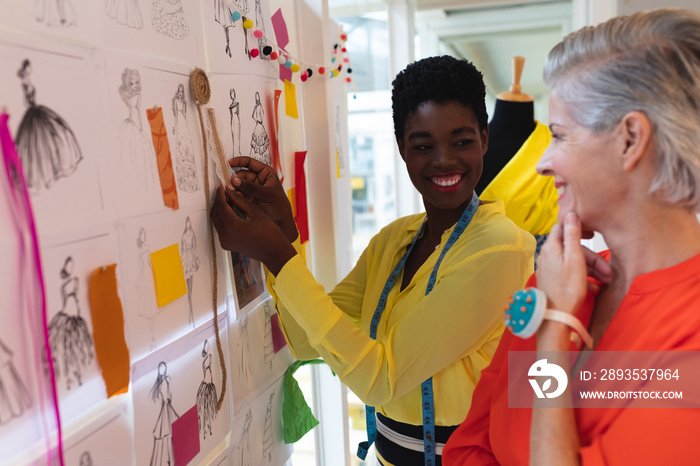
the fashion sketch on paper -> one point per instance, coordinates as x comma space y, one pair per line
125, 12
162, 453
86, 459
260, 24
45, 142
168, 18
14, 396
71, 344
267, 431
245, 367
136, 145
260, 141
185, 167
268, 345
234, 110
244, 444
206, 395
222, 15
55, 12
147, 305
190, 261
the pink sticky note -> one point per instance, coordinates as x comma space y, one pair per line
186, 437
285, 73
280, 27
278, 340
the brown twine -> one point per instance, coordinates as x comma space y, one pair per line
201, 91
217, 142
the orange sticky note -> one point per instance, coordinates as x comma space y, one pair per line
108, 330
168, 274
290, 99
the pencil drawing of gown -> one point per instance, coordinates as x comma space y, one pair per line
190, 261
162, 453
267, 431
55, 12
185, 168
260, 141
45, 142
147, 305
206, 394
168, 18
268, 345
68, 332
126, 12
245, 371
14, 397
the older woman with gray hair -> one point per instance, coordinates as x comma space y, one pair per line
625, 157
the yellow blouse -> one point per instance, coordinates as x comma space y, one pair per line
451, 334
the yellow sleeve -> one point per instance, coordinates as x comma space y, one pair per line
456, 319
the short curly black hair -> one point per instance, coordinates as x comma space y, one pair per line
438, 79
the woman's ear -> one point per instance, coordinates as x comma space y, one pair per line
635, 134
484, 140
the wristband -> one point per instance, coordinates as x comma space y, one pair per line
528, 308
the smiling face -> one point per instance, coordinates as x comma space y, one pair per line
582, 162
443, 148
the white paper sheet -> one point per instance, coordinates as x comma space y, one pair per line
66, 19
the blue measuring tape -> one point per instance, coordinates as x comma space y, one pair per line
427, 386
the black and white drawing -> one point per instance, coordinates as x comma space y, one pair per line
259, 141
190, 261
55, 12
234, 110
245, 368
86, 459
268, 345
222, 15
244, 444
168, 18
260, 24
185, 167
206, 395
147, 306
267, 431
14, 396
71, 344
136, 144
125, 12
46, 144
162, 453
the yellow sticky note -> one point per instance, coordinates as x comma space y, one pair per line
168, 275
290, 99
337, 164
291, 194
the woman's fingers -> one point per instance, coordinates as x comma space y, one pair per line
250, 163
597, 267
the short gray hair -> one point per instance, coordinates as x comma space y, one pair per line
647, 62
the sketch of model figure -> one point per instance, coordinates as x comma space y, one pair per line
136, 145
168, 18
45, 142
162, 433
14, 396
185, 167
267, 431
55, 12
245, 371
222, 15
206, 394
126, 12
260, 141
234, 110
260, 24
190, 261
244, 444
86, 459
147, 306
269, 347
68, 333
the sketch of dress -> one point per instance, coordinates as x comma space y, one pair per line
244, 444
14, 396
136, 145
55, 12
86, 459
45, 142
126, 12
234, 110
245, 371
68, 333
147, 306
190, 261
168, 18
267, 431
259, 141
269, 347
222, 15
162, 453
260, 24
206, 394
185, 167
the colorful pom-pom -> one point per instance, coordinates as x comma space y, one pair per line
267, 50
349, 70
332, 59
321, 70
310, 72
344, 36
346, 60
236, 15
258, 34
273, 55
343, 50
295, 68
254, 53
347, 80
281, 59
248, 23
304, 76
288, 64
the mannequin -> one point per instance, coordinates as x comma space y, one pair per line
512, 123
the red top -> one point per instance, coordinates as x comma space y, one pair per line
661, 312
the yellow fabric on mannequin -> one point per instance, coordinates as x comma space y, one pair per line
530, 198
451, 334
